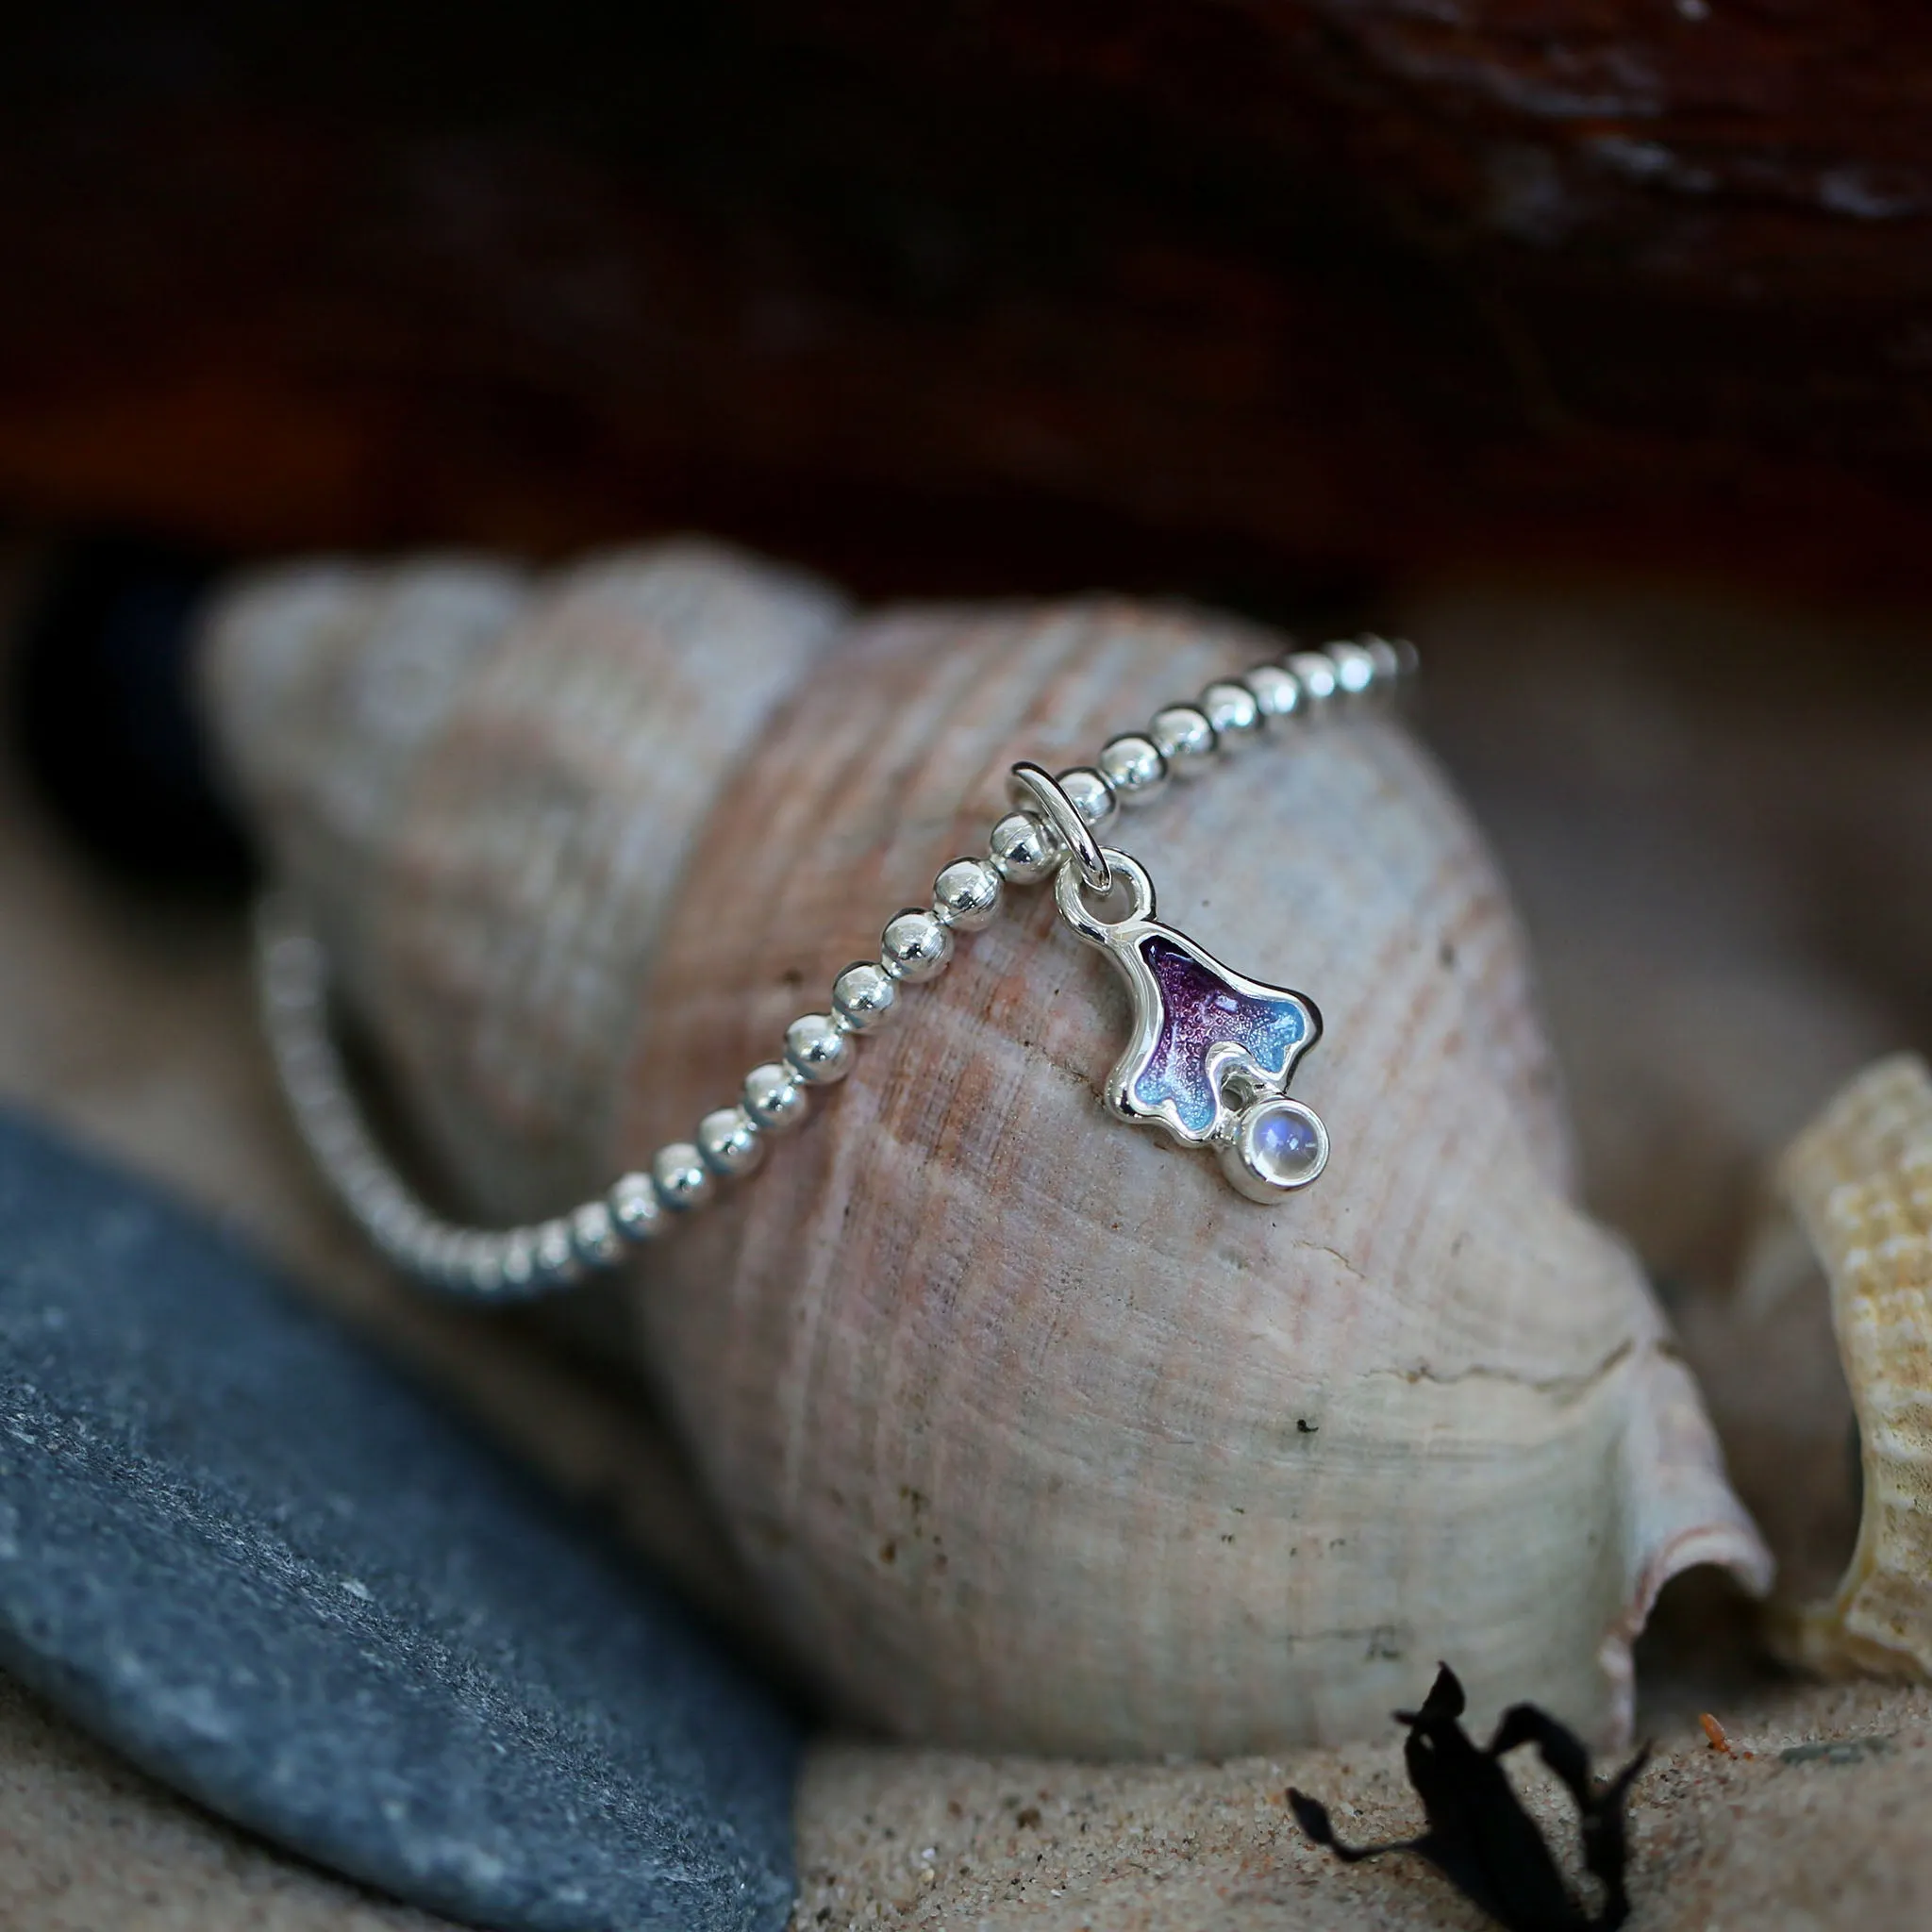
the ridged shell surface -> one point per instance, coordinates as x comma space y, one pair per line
1034, 1433
1859, 1183
489, 784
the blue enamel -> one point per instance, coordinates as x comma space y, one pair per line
1199, 1008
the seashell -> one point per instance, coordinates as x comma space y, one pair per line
1033, 1433
542, 798
1856, 1187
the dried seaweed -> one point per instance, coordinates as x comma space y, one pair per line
1480, 1837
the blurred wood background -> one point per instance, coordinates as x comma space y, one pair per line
1264, 300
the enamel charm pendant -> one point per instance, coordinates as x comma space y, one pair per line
1211, 1051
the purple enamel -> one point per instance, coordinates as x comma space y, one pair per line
1199, 1008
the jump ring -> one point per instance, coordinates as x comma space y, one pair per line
1127, 872
1042, 788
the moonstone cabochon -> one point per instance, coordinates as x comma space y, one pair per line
247, 1553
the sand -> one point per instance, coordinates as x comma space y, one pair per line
90, 1844
1719, 1845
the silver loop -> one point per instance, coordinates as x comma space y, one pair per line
498, 1265
1127, 872
1042, 788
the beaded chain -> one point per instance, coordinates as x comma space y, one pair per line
1048, 833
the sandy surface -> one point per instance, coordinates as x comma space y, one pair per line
1662, 864
90, 1844
1719, 1845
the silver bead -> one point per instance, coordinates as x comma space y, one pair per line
426, 1249
1315, 674
333, 1129
917, 945
364, 1186
682, 1179
1389, 667
453, 1262
1184, 737
818, 1050
966, 895
394, 1221
1023, 850
1134, 768
1354, 668
553, 1254
481, 1267
437, 1262
1277, 688
863, 996
294, 971
636, 1212
449, 1257
408, 1245
776, 1097
519, 1259
730, 1142
1234, 714
1090, 795
593, 1235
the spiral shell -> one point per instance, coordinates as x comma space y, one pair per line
1033, 1432
509, 775
1857, 1187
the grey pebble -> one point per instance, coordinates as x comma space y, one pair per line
265, 1565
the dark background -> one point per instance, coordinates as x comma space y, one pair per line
1269, 300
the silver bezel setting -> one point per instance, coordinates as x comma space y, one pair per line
1247, 1171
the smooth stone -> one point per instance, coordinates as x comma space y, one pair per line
273, 1571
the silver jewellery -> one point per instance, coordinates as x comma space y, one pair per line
1211, 1050
1209, 1060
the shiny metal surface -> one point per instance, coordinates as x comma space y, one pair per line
1134, 769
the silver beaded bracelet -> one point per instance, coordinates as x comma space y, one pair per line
1209, 1061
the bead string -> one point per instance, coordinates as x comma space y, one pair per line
1024, 849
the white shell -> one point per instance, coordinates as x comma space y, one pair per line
489, 784
1033, 1432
